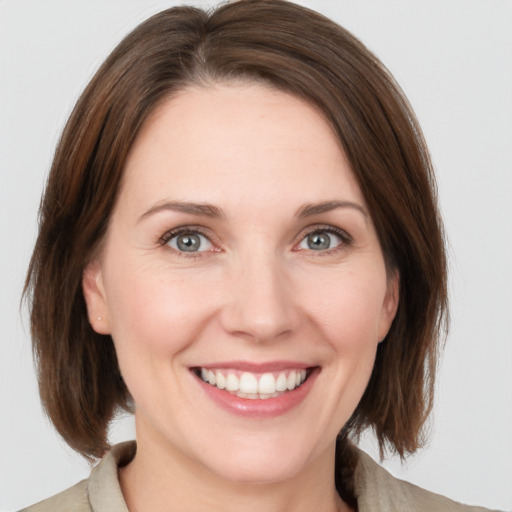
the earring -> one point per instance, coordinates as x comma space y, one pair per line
99, 318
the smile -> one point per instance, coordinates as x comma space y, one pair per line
253, 385
257, 391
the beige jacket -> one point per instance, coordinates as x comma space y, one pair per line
375, 489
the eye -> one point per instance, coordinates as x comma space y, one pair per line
323, 240
189, 241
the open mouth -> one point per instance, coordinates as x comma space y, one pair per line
256, 386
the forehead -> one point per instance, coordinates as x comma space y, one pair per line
246, 138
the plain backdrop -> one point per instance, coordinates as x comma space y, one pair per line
453, 59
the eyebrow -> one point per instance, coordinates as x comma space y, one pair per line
309, 210
201, 209
209, 210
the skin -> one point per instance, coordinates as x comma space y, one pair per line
255, 291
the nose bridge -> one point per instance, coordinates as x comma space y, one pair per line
260, 305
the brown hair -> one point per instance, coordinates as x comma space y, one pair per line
295, 50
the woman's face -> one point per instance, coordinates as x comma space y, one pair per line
241, 251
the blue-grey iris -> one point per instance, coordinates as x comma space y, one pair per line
188, 242
319, 241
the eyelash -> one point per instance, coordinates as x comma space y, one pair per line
346, 239
169, 235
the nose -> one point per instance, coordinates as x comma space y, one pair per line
260, 304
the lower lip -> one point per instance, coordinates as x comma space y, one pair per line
259, 408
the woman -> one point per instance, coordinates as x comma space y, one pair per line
239, 240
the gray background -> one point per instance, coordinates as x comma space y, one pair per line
453, 58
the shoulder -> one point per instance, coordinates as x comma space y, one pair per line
74, 499
100, 492
377, 490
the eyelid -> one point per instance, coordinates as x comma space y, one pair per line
325, 228
194, 229
345, 237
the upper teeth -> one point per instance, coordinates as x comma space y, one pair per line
248, 383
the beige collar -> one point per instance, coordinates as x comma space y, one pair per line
105, 493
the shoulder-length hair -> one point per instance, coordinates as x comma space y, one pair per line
294, 50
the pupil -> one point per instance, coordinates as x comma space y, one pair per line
188, 243
319, 241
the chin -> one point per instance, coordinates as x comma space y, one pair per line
261, 460
252, 470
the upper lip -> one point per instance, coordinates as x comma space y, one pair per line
252, 367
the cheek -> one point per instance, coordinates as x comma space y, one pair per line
153, 320
154, 313
348, 309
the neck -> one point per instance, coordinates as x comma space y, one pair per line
167, 479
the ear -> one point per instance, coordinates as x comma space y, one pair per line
389, 305
95, 298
